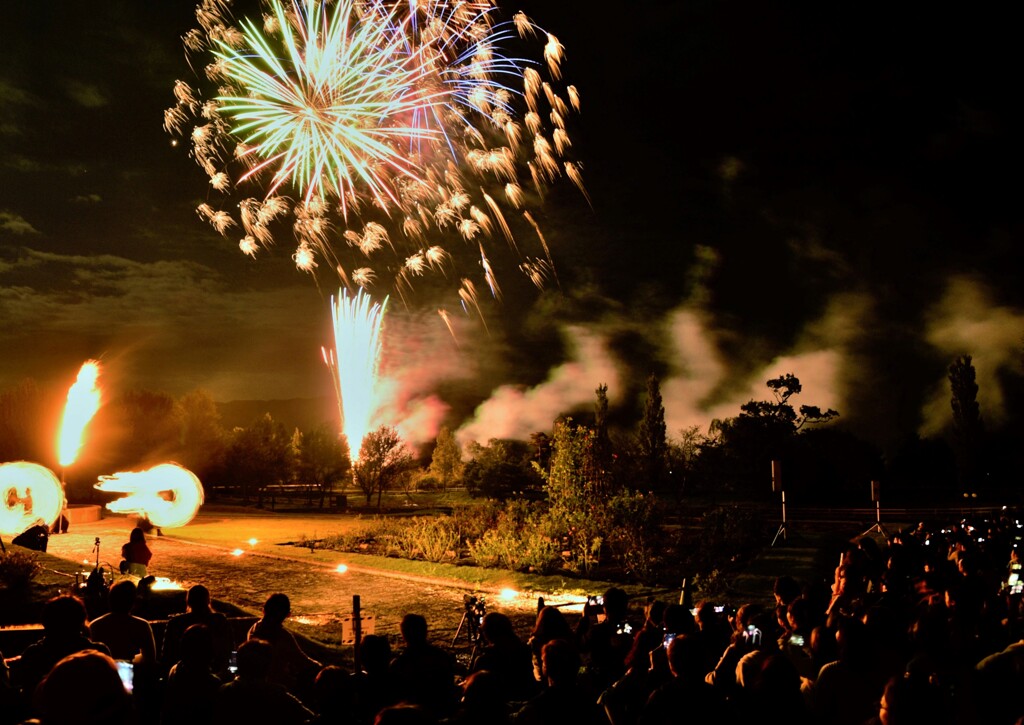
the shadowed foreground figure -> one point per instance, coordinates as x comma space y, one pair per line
252, 697
290, 667
564, 700
64, 627
83, 689
423, 673
198, 610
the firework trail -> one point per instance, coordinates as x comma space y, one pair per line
391, 140
354, 362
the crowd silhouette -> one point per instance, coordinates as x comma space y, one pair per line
925, 626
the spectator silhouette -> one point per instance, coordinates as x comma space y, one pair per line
605, 643
198, 610
686, 696
550, 624
483, 701
136, 555
128, 637
563, 700
422, 673
333, 697
290, 667
252, 697
507, 656
64, 628
373, 686
624, 700
83, 688
190, 690
846, 692
748, 634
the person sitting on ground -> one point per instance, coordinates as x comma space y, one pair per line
136, 555
198, 610
291, 668
605, 643
483, 701
190, 689
128, 637
507, 656
334, 696
252, 697
423, 673
64, 628
687, 692
624, 700
550, 624
373, 687
83, 688
563, 700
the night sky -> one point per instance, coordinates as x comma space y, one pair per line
827, 189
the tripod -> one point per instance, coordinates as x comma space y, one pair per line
782, 528
877, 526
471, 620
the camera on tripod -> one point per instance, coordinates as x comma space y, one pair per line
475, 606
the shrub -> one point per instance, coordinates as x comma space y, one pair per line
635, 535
18, 569
431, 538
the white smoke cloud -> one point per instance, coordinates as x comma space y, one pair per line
517, 412
967, 321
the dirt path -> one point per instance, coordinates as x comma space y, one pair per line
320, 596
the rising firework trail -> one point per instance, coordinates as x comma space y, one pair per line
83, 402
392, 139
354, 362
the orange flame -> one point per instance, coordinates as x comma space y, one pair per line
168, 495
83, 402
30, 493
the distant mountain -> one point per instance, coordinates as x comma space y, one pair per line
302, 413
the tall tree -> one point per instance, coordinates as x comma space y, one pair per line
446, 463
260, 455
575, 504
203, 438
652, 438
967, 423
383, 459
502, 469
323, 460
602, 442
149, 424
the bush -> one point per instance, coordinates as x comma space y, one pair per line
18, 569
635, 534
431, 538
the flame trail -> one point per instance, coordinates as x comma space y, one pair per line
168, 494
83, 402
29, 492
357, 345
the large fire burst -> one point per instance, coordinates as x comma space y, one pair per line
390, 139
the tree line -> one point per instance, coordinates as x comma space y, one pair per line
822, 461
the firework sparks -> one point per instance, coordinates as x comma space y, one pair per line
376, 125
168, 494
83, 402
355, 361
30, 493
